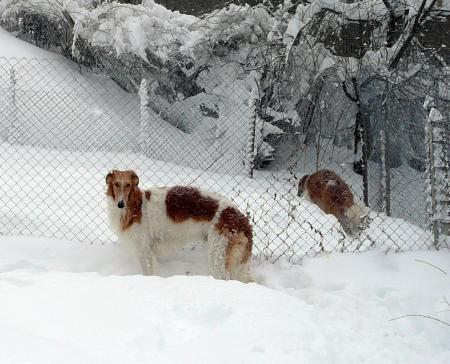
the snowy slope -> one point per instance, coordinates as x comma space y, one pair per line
46, 100
13, 47
80, 303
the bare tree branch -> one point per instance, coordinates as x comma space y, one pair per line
388, 6
344, 87
418, 20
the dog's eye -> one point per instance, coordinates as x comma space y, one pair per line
116, 184
128, 185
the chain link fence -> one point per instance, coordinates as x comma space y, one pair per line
62, 128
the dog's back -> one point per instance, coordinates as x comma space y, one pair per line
177, 215
329, 191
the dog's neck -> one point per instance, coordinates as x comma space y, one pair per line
132, 213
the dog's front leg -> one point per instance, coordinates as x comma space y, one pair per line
148, 261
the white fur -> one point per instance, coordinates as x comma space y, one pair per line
158, 235
305, 195
355, 219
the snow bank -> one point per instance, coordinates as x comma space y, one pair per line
79, 303
13, 47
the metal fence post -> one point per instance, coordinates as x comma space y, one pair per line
436, 169
431, 182
144, 115
13, 110
250, 152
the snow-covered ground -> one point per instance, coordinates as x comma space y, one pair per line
69, 302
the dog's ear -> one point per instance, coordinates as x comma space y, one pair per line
109, 177
301, 185
134, 178
302, 181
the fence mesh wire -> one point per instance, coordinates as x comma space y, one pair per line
62, 128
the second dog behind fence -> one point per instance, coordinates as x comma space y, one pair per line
333, 196
157, 221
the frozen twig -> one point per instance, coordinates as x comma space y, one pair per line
423, 316
439, 269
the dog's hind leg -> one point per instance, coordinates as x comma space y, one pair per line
238, 257
216, 255
347, 225
229, 256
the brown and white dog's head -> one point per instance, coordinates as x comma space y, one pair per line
302, 185
120, 186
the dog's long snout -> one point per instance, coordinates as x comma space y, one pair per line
121, 204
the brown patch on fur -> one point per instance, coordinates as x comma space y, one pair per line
328, 191
110, 192
237, 250
148, 194
234, 225
109, 184
183, 203
133, 210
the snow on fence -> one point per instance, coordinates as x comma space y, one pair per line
63, 128
438, 141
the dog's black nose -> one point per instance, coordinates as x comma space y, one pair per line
121, 205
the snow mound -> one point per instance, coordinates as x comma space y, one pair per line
79, 303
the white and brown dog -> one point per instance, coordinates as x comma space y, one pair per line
160, 220
333, 196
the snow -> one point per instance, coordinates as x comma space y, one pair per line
13, 47
435, 115
56, 104
79, 303
149, 26
327, 63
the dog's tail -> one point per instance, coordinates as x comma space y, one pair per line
355, 219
